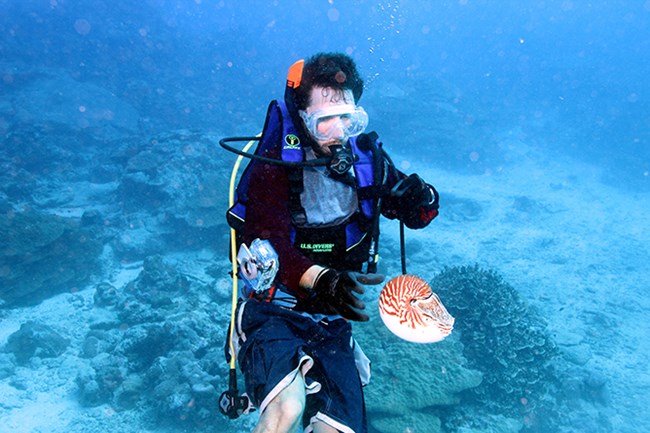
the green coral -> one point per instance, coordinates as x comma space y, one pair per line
410, 380
504, 339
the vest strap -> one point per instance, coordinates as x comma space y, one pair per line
296, 187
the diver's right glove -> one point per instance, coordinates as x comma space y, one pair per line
337, 290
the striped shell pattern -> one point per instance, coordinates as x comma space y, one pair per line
413, 312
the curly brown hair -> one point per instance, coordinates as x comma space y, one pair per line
330, 70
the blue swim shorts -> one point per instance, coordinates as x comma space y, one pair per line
275, 344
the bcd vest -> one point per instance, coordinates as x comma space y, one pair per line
314, 242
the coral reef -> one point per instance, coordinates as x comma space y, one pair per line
161, 351
35, 339
177, 172
44, 254
505, 340
7, 365
170, 193
410, 382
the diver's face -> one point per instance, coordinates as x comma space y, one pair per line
329, 130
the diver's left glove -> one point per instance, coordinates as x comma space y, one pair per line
337, 291
413, 191
417, 201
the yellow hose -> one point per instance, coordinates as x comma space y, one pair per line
233, 252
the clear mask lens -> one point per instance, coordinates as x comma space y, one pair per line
338, 121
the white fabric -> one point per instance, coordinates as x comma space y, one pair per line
326, 201
328, 421
362, 363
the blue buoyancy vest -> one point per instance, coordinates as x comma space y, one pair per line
279, 118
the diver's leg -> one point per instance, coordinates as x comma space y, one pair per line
283, 414
321, 427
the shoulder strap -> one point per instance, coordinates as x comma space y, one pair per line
278, 123
371, 176
368, 175
291, 146
292, 151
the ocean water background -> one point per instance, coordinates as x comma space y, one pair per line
537, 112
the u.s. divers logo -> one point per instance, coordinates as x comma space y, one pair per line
291, 141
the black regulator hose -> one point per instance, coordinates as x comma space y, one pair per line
319, 162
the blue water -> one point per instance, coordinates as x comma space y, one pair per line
462, 87
584, 63
584, 60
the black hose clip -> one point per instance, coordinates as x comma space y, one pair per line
232, 405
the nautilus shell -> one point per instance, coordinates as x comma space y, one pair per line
413, 312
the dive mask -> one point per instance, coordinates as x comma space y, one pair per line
336, 121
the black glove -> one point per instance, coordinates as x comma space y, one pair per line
416, 202
412, 191
336, 290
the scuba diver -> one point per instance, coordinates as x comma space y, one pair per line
308, 207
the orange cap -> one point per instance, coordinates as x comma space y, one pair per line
295, 74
